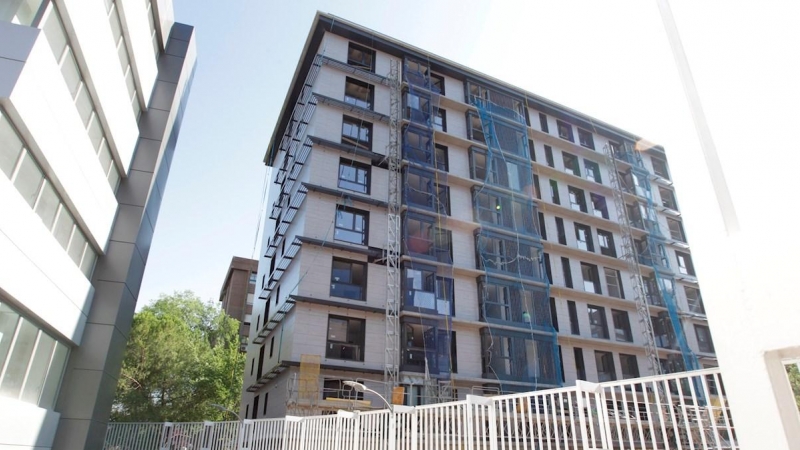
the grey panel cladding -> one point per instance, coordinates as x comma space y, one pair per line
93, 368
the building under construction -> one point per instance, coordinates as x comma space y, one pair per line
433, 232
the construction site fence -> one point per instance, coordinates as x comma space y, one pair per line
686, 411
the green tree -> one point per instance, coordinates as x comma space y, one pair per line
794, 379
182, 356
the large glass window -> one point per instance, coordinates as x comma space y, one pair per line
361, 57
354, 176
351, 225
34, 361
418, 146
428, 347
359, 93
418, 108
424, 289
591, 278
597, 321
606, 241
356, 132
622, 325
345, 338
605, 366
630, 366
348, 279
425, 240
515, 356
510, 255
503, 211
422, 191
499, 171
522, 305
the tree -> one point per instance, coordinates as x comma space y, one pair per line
794, 379
182, 356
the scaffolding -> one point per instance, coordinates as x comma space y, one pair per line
515, 290
427, 242
650, 252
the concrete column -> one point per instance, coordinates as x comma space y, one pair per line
90, 380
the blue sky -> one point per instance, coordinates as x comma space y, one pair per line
607, 59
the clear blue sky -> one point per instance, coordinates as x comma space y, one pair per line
608, 59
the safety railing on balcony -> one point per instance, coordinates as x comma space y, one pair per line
685, 411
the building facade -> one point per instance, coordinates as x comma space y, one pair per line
92, 95
237, 294
436, 229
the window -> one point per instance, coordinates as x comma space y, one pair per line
255, 408
437, 83
667, 198
599, 206
613, 282
271, 346
348, 279
357, 132
516, 303
630, 366
425, 240
580, 367
553, 313
537, 191
606, 241
423, 289
548, 156
547, 269
501, 210
33, 359
497, 170
440, 119
518, 356
427, 347
417, 108
577, 199
421, 191
358, 93
418, 146
592, 171
574, 326
543, 123
704, 341
694, 300
266, 398
605, 366
351, 225
542, 227
253, 278
660, 167
345, 338
562, 235
513, 256
361, 57
531, 150
441, 158
354, 176
676, 229
685, 265
554, 192
567, 272
662, 331
565, 131
591, 278
583, 234
475, 129
622, 325
597, 321
585, 138
571, 164
337, 389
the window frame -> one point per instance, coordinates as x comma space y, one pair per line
548, 156
579, 195
592, 171
436, 252
681, 235
628, 362
554, 196
585, 138
566, 270
598, 323
564, 126
685, 264
361, 126
362, 286
356, 213
543, 125
347, 340
606, 361
359, 166
370, 67
617, 277
586, 230
366, 103
607, 236
705, 342
622, 325
439, 113
574, 324
571, 163
441, 157
596, 283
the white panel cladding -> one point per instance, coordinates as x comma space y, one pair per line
465, 294
36, 272
91, 37
135, 21
45, 115
460, 201
454, 89
26, 426
468, 351
165, 18
334, 46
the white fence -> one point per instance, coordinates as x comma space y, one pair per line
686, 411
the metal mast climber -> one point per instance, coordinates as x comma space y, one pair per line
392, 357
629, 255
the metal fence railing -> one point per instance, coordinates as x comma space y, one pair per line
684, 411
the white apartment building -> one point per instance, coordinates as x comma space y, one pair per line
92, 95
516, 269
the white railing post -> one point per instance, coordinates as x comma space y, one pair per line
391, 442
246, 430
341, 417
477, 400
207, 437
584, 389
166, 436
